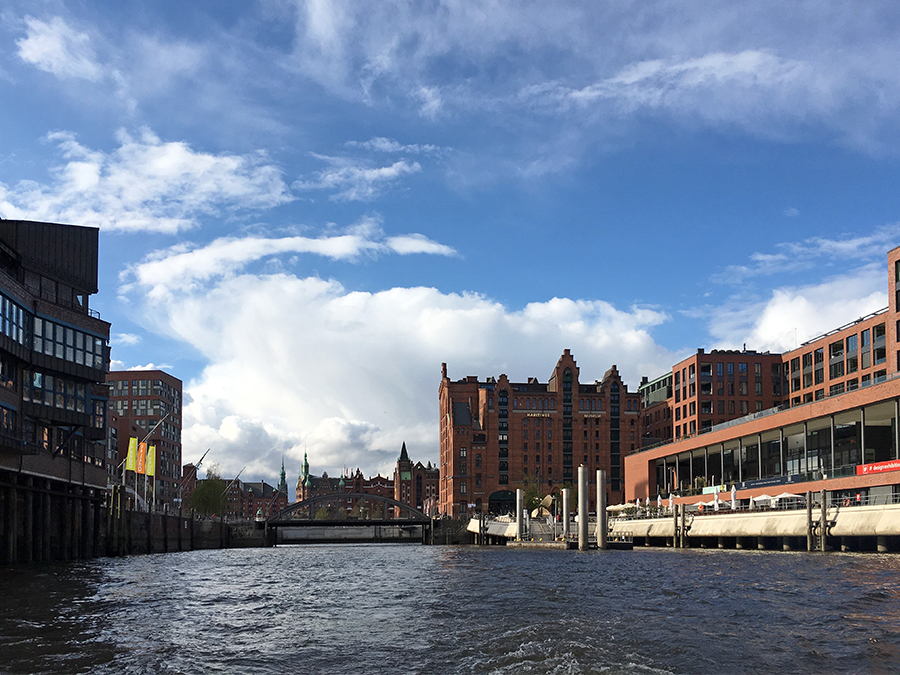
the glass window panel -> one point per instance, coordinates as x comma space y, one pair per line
847, 439
880, 432
794, 450
750, 458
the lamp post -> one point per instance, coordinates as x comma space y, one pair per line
181, 483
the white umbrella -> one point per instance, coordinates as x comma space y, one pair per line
638, 503
733, 498
658, 501
671, 502
716, 500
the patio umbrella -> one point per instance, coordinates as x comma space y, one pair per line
671, 502
658, 501
733, 498
716, 500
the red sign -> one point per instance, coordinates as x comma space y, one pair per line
865, 469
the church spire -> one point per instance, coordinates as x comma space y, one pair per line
282, 484
404, 457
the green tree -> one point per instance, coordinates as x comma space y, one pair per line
208, 498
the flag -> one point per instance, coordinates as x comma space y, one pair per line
151, 460
141, 458
131, 457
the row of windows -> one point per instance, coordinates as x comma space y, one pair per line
51, 338
69, 344
54, 391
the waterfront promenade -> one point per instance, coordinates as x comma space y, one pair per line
847, 526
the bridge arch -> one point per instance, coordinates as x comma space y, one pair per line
410, 512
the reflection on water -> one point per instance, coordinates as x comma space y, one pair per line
415, 609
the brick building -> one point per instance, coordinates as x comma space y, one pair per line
706, 389
146, 404
247, 501
416, 484
834, 426
497, 436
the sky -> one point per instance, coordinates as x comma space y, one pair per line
306, 207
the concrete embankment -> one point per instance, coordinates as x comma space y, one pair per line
848, 528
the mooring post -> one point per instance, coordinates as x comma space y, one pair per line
823, 520
520, 506
582, 508
565, 512
809, 522
602, 524
683, 530
675, 526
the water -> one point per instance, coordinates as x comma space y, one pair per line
417, 609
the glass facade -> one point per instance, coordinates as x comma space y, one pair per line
824, 447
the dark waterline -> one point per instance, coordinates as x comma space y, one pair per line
416, 609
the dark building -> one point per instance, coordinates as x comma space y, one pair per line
53, 361
146, 404
497, 436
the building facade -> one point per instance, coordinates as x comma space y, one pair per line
54, 355
836, 427
146, 405
248, 501
707, 389
415, 484
497, 436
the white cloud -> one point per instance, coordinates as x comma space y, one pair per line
144, 185
349, 375
803, 255
183, 267
387, 145
126, 339
58, 49
791, 316
354, 181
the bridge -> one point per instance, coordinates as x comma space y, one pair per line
348, 517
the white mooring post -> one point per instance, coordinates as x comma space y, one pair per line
602, 525
582, 508
520, 507
565, 512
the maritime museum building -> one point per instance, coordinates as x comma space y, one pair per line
823, 416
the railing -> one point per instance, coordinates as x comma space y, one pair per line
797, 503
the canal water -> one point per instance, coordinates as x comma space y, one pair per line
442, 609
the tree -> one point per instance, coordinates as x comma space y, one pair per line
208, 498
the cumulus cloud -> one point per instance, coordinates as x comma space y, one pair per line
792, 315
348, 376
145, 184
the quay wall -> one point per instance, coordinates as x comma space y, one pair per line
43, 522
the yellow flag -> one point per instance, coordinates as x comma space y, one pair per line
151, 460
141, 458
131, 457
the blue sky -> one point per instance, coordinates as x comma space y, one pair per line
306, 207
